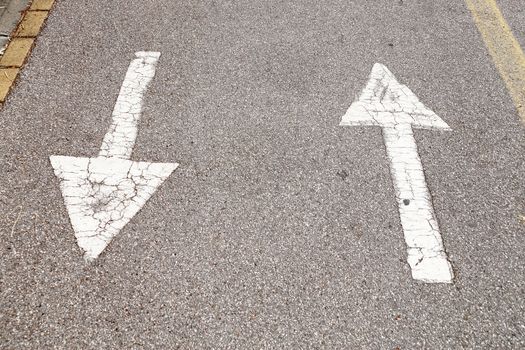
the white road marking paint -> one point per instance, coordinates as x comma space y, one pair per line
392, 106
102, 194
120, 138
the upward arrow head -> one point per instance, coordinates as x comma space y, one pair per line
385, 102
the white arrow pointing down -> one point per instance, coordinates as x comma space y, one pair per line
392, 106
103, 194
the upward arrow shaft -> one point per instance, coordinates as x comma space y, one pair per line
121, 136
426, 255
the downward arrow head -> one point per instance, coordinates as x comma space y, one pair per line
103, 194
387, 103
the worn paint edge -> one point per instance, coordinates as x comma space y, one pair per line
7, 85
504, 48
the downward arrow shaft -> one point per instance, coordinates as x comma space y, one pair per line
122, 133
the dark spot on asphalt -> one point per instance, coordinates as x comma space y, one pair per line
343, 174
406, 201
390, 44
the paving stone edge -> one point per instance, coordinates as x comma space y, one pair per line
21, 43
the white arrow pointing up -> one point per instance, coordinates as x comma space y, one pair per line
102, 194
392, 106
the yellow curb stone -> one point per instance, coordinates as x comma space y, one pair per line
20, 46
31, 24
7, 78
41, 5
16, 53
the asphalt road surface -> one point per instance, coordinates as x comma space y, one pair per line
279, 229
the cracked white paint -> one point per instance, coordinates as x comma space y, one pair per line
120, 138
103, 194
392, 106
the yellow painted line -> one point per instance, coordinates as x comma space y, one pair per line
505, 50
21, 44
